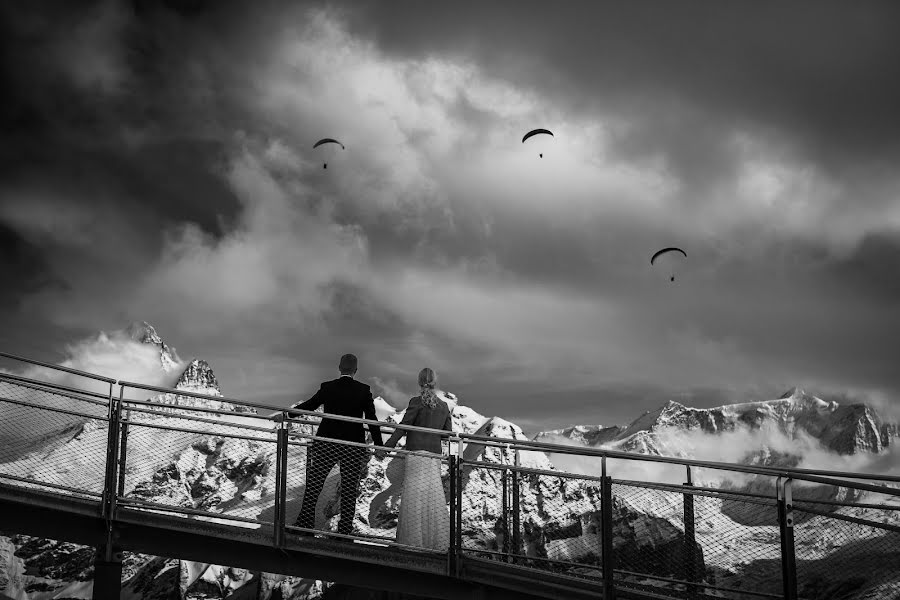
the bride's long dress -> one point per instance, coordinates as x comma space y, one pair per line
424, 519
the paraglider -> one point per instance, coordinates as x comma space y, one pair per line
327, 141
666, 251
534, 132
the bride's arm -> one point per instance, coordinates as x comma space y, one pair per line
409, 418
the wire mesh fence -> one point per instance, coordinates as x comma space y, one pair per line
560, 521
833, 541
198, 460
690, 542
542, 520
484, 526
52, 438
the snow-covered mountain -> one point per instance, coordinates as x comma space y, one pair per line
586, 435
840, 429
559, 515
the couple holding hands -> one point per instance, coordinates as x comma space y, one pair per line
424, 520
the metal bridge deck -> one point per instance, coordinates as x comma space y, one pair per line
77, 520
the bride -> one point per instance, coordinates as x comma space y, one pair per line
424, 519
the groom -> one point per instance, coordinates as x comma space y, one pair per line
350, 398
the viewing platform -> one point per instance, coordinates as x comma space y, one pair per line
127, 467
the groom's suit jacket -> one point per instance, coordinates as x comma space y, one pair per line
350, 398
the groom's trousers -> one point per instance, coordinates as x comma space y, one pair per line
320, 459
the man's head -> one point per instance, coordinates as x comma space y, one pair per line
348, 364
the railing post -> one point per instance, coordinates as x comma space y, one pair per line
110, 481
454, 548
281, 450
690, 540
459, 492
609, 591
107, 559
786, 527
123, 454
516, 539
504, 510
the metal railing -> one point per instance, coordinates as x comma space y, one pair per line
763, 532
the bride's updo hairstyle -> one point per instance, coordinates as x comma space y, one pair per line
427, 378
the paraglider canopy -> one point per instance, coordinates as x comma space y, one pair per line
535, 132
666, 251
327, 141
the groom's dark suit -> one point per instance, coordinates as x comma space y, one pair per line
350, 398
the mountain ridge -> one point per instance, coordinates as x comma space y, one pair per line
844, 429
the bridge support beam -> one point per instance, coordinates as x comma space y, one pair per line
107, 575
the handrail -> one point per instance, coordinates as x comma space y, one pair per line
388, 450
760, 470
812, 475
201, 409
236, 436
528, 445
168, 414
59, 368
380, 424
55, 388
162, 390
56, 409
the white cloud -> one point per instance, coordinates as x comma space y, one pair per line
45, 219
733, 447
113, 355
275, 267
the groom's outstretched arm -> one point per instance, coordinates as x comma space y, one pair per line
369, 411
313, 403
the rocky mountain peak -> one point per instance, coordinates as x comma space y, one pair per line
144, 333
671, 409
798, 394
198, 374
198, 378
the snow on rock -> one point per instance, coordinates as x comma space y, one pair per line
203, 580
290, 588
383, 410
198, 375
198, 378
585, 435
144, 333
12, 572
214, 473
842, 429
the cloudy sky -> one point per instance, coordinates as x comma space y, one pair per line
157, 164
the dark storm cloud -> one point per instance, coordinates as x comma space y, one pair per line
24, 268
824, 71
99, 97
159, 166
873, 268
